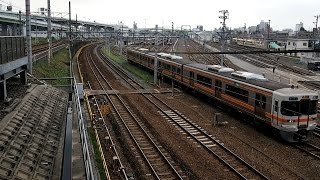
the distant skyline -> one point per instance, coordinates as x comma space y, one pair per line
282, 13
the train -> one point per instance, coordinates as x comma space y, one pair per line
314, 65
290, 111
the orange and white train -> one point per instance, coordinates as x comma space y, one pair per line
290, 111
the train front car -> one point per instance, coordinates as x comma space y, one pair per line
294, 113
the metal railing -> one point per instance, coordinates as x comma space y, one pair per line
83, 135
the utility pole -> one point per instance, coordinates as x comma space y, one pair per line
28, 34
269, 29
155, 75
121, 39
70, 40
225, 15
76, 24
315, 33
20, 24
244, 31
134, 30
49, 33
172, 27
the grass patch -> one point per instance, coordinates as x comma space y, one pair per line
39, 40
141, 74
97, 153
59, 67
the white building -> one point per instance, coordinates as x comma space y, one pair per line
299, 26
252, 29
205, 35
263, 26
299, 44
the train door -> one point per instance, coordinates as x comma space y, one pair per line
275, 112
218, 88
260, 105
191, 78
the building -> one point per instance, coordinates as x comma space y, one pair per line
299, 26
205, 35
252, 29
298, 44
263, 26
200, 27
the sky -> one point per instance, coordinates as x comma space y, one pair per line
147, 13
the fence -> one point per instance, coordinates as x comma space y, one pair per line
83, 136
11, 48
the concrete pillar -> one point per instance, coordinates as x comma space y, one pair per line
23, 77
3, 90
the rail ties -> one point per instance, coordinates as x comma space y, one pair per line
212, 144
158, 162
310, 149
317, 130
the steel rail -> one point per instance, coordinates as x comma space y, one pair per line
139, 125
191, 124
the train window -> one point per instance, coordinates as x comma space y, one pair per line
237, 93
178, 70
290, 108
260, 101
276, 106
308, 107
258, 98
204, 80
191, 75
173, 69
264, 102
218, 85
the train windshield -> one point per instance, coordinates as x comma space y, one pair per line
296, 108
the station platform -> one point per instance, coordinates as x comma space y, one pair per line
32, 135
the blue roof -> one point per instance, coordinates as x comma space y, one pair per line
273, 45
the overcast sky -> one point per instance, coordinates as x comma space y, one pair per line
282, 13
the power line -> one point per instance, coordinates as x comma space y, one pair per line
243, 52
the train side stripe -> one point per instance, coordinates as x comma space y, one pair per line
238, 102
275, 117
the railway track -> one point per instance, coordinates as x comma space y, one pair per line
157, 162
310, 149
317, 131
110, 152
315, 85
44, 47
267, 61
212, 59
239, 166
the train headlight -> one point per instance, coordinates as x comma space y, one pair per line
312, 126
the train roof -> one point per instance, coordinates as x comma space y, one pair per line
294, 91
251, 78
258, 81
